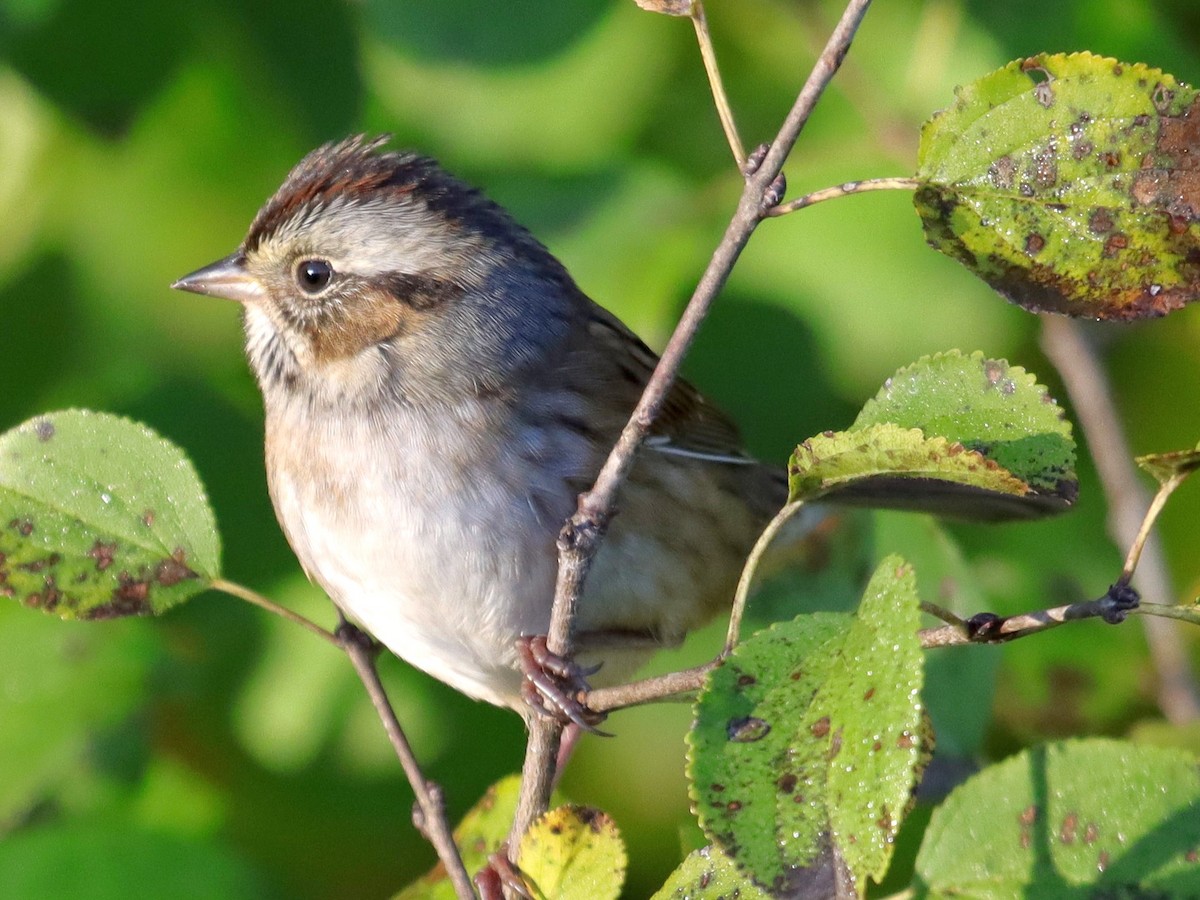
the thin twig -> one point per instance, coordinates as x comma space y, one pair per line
650, 690
742, 595
581, 535
244, 593
361, 651
986, 628
433, 823
940, 612
1165, 490
1091, 397
845, 190
720, 98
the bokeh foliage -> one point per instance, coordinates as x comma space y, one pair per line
136, 144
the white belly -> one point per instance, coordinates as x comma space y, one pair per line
445, 556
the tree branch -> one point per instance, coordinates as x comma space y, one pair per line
845, 190
430, 815
582, 534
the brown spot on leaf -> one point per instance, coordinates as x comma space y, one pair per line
148, 518
1115, 244
1069, 829
103, 554
747, 729
1028, 815
786, 783
835, 745
885, 821
1192, 856
23, 527
1102, 861
1171, 181
1091, 833
44, 429
129, 598
38, 565
745, 680
733, 805
820, 728
906, 741
173, 569
1034, 244
869, 694
1100, 221
1002, 173
48, 598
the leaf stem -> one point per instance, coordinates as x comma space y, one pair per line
720, 98
940, 612
244, 593
845, 190
1190, 614
742, 594
1145, 529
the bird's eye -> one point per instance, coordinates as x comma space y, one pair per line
313, 275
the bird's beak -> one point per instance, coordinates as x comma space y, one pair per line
225, 278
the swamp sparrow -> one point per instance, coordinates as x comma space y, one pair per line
438, 392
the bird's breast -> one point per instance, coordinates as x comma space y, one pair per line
432, 532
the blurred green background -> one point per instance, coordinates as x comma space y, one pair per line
220, 753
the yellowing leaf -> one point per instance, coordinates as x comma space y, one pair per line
574, 853
1071, 184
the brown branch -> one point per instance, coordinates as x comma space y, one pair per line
430, 815
845, 190
650, 690
988, 628
1091, 397
582, 534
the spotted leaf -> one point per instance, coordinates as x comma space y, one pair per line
1090, 818
100, 517
808, 739
954, 434
1070, 184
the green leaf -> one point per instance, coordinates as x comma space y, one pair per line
805, 747
960, 682
951, 434
1071, 820
100, 517
574, 853
1166, 467
1069, 183
708, 874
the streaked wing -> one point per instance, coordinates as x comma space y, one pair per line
689, 425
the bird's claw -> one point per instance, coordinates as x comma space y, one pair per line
555, 686
500, 879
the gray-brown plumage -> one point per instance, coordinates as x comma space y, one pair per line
437, 392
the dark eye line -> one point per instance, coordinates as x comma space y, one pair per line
313, 275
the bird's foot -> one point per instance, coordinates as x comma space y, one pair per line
555, 686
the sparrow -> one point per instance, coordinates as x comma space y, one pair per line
437, 393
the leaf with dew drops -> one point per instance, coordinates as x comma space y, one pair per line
1070, 184
100, 517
